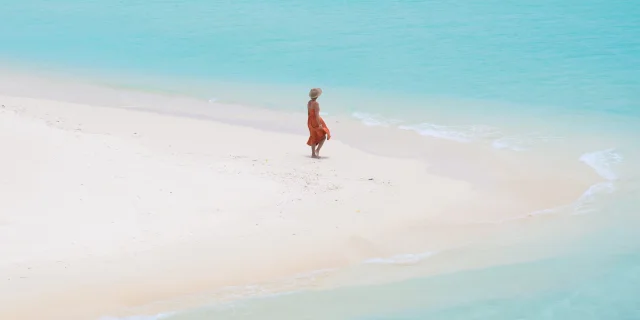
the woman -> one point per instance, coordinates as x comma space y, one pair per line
318, 131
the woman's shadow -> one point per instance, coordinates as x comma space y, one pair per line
320, 158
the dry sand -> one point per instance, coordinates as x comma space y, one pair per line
102, 209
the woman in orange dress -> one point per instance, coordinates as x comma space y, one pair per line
318, 130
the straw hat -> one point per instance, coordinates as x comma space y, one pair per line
315, 93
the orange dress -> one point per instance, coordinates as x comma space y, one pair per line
316, 130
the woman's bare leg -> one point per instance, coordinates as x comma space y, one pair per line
320, 146
313, 152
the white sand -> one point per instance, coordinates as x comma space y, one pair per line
103, 209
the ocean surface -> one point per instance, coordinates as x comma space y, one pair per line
514, 76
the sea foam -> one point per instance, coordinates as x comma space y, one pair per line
468, 133
153, 317
409, 258
374, 120
522, 142
602, 162
462, 133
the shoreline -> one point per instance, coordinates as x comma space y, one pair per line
127, 163
379, 139
487, 122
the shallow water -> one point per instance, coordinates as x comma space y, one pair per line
594, 278
454, 70
570, 56
535, 77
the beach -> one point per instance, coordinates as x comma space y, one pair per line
106, 209
483, 161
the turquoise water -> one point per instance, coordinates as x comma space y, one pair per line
597, 280
584, 291
508, 74
454, 63
576, 55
